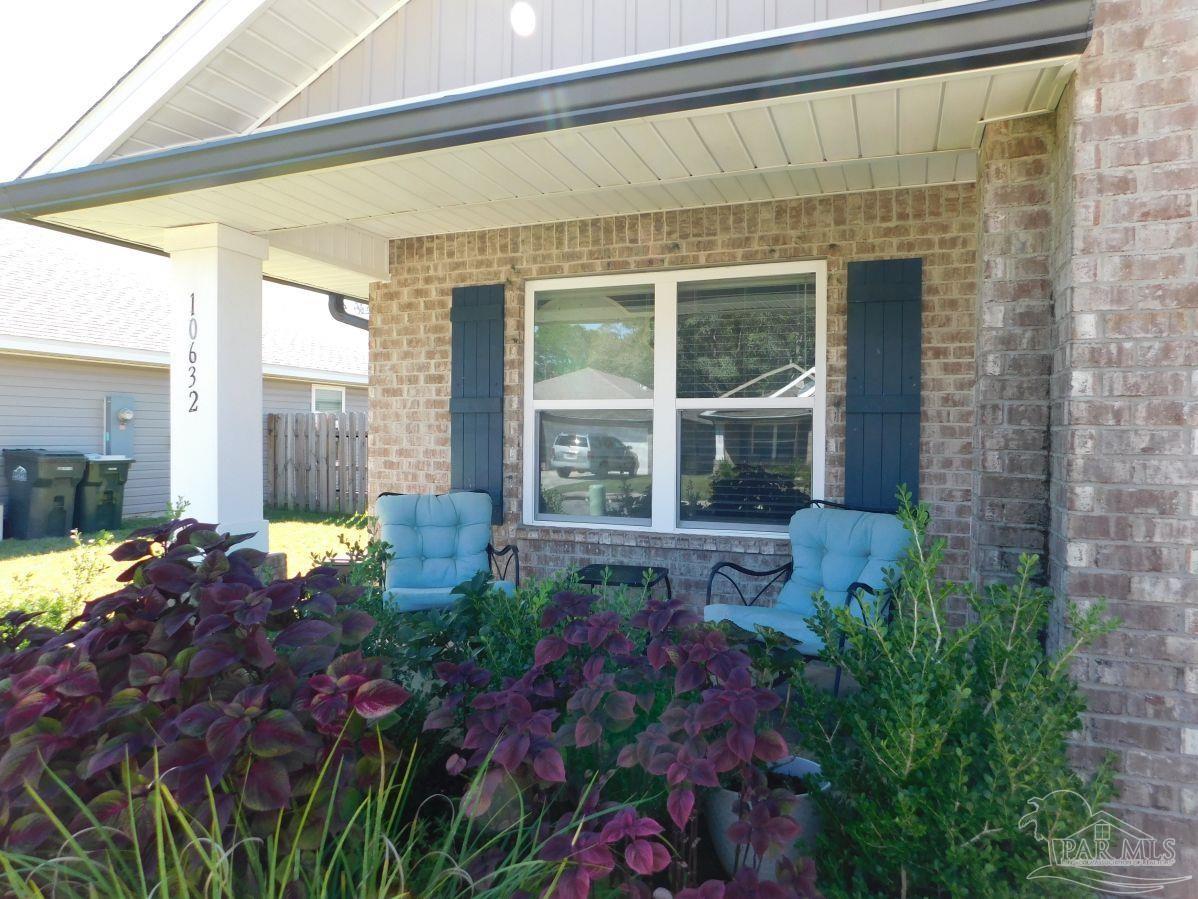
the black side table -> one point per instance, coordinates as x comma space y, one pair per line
626, 576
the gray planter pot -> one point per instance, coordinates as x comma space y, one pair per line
719, 806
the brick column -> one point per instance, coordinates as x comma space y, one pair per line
1010, 493
1125, 442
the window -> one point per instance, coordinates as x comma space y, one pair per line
592, 380
328, 399
676, 400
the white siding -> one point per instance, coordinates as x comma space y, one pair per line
296, 396
436, 45
58, 404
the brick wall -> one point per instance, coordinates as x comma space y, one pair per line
1010, 491
1089, 312
1125, 437
409, 346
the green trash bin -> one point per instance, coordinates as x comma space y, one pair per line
41, 491
100, 497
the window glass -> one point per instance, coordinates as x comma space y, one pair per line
749, 391
747, 338
744, 467
595, 465
328, 399
593, 344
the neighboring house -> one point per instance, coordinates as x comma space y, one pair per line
973, 220
84, 323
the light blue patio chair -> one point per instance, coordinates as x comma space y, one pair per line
438, 543
846, 552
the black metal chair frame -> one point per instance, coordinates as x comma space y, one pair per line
720, 569
499, 561
510, 556
886, 608
783, 573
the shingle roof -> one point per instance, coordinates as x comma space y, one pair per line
61, 287
591, 382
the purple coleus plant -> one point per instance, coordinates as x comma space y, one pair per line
194, 675
659, 692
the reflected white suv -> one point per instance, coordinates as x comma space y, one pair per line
596, 454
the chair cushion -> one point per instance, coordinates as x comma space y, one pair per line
421, 599
436, 541
751, 617
833, 548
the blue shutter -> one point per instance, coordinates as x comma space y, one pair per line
882, 386
476, 391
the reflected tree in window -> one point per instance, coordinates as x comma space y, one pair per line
746, 338
594, 344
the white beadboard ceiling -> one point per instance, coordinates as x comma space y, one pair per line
286, 45
917, 132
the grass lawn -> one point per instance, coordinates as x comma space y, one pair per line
59, 575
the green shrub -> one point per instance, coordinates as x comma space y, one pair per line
932, 763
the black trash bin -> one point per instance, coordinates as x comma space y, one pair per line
41, 491
100, 497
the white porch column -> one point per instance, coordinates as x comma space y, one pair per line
216, 376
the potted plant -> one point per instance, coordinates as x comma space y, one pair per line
731, 837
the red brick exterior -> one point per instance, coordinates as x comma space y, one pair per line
410, 347
1010, 492
1124, 521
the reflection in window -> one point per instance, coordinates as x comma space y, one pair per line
595, 465
747, 338
593, 344
743, 467
739, 351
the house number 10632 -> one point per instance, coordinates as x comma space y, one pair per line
193, 329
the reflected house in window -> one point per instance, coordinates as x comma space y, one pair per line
593, 390
745, 467
594, 344
749, 339
723, 365
620, 444
596, 466
754, 438
591, 382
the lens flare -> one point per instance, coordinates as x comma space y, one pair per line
524, 18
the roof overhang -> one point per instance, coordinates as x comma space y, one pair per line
221, 70
109, 354
846, 57
922, 42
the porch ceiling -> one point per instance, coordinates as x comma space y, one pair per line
914, 132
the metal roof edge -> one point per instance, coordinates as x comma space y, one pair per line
923, 42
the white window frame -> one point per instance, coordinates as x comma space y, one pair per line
665, 405
339, 388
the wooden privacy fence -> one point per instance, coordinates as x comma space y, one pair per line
317, 461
